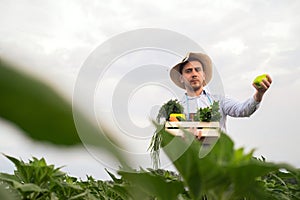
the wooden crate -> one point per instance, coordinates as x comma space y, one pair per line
208, 129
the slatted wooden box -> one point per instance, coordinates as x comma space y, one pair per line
206, 129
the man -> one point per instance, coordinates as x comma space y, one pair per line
194, 72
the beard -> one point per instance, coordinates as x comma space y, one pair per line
193, 86
196, 87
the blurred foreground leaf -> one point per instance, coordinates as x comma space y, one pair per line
224, 173
35, 107
43, 114
5, 194
151, 184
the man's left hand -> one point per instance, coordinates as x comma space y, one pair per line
260, 90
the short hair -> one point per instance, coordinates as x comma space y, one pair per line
189, 60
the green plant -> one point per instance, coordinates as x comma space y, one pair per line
282, 184
172, 106
151, 184
225, 173
37, 180
44, 114
208, 114
35, 107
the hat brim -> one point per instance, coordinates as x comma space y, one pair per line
202, 58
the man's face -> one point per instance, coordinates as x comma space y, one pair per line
193, 75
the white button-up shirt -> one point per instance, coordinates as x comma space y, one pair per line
228, 106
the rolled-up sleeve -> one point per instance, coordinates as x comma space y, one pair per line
236, 108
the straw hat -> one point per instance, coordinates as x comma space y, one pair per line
202, 58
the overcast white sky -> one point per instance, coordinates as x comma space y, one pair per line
52, 39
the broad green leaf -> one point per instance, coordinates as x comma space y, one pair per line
5, 194
16, 162
218, 175
29, 187
78, 196
8, 177
35, 107
244, 179
146, 184
122, 191
113, 177
186, 164
42, 113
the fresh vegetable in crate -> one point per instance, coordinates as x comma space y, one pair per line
208, 114
171, 107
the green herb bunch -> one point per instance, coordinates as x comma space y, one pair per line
208, 114
172, 106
